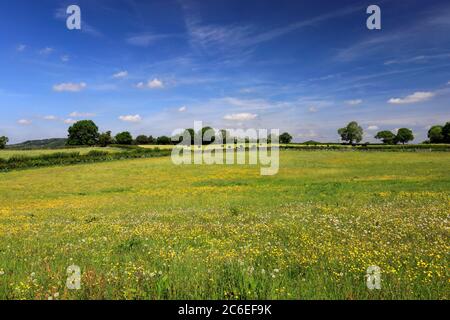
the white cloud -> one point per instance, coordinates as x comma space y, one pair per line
151, 84
354, 102
120, 75
448, 83
155, 84
50, 117
240, 116
70, 87
65, 58
413, 98
46, 51
140, 85
21, 47
77, 114
69, 121
182, 109
131, 118
372, 128
312, 109
24, 122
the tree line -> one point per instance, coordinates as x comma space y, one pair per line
353, 133
86, 133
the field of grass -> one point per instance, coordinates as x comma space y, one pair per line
146, 229
6, 154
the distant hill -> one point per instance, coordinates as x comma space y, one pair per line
40, 144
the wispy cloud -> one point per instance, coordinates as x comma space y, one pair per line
69, 87
77, 114
368, 46
354, 102
50, 117
413, 98
232, 37
418, 59
24, 122
21, 47
65, 58
240, 116
120, 75
146, 39
182, 109
372, 128
69, 121
46, 51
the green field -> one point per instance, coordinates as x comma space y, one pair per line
6, 154
146, 229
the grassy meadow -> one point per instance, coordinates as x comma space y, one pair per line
147, 229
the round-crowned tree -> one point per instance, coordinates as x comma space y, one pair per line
142, 139
386, 136
352, 132
124, 138
163, 140
435, 134
285, 138
83, 133
404, 135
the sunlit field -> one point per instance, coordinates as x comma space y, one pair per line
6, 154
147, 229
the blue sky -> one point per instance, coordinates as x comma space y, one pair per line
150, 67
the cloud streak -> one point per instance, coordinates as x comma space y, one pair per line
416, 97
69, 87
240, 116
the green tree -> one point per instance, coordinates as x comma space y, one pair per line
151, 140
446, 132
435, 134
142, 139
386, 136
105, 139
404, 135
3, 141
285, 138
83, 133
352, 132
163, 140
124, 138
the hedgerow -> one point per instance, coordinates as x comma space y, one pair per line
68, 158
